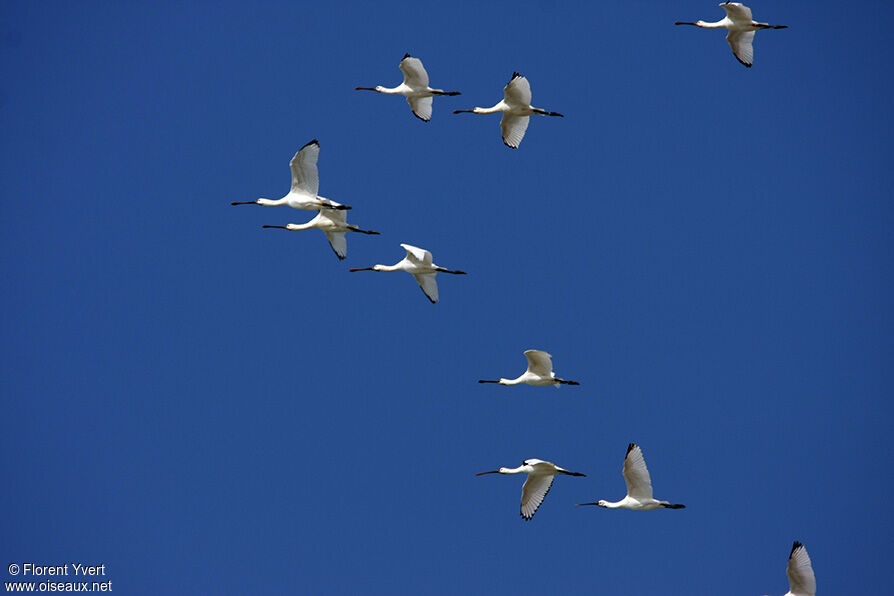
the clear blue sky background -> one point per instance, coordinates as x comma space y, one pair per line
208, 407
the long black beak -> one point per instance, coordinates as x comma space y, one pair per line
277, 227
491, 472
585, 504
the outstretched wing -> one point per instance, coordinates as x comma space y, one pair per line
533, 492
636, 474
539, 362
338, 243
513, 128
305, 178
414, 72
417, 255
421, 107
428, 284
737, 12
742, 44
800, 572
518, 91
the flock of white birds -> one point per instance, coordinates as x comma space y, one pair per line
516, 110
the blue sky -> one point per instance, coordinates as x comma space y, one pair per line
205, 406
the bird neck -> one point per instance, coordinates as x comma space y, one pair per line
721, 24
518, 470
500, 107
271, 202
387, 268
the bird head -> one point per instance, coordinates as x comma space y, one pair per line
601, 502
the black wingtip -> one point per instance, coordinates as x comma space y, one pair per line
515, 75
675, 506
630, 448
407, 55
313, 142
795, 547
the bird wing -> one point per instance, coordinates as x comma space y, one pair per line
800, 572
421, 107
338, 243
741, 43
534, 491
336, 216
518, 91
414, 72
737, 12
636, 474
539, 363
428, 284
417, 255
305, 177
513, 128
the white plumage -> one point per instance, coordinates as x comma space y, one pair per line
540, 479
305, 184
418, 262
516, 109
334, 223
639, 486
414, 87
539, 372
741, 30
801, 580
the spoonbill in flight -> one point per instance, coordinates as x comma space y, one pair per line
741, 29
639, 486
415, 88
418, 262
801, 580
516, 109
540, 372
540, 479
305, 183
334, 224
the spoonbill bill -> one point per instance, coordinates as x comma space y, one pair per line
540, 479
334, 224
540, 372
516, 109
741, 30
414, 87
305, 184
801, 580
639, 486
418, 262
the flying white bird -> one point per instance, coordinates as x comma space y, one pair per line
639, 486
415, 88
801, 580
540, 372
516, 109
305, 184
418, 262
741, 29
334, 223
540, 479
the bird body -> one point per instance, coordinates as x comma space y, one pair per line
741, 30
305, 184
334, 223
419, 264
540, 479
540, 372
516, 109
801, 580
414, 87
639, 486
